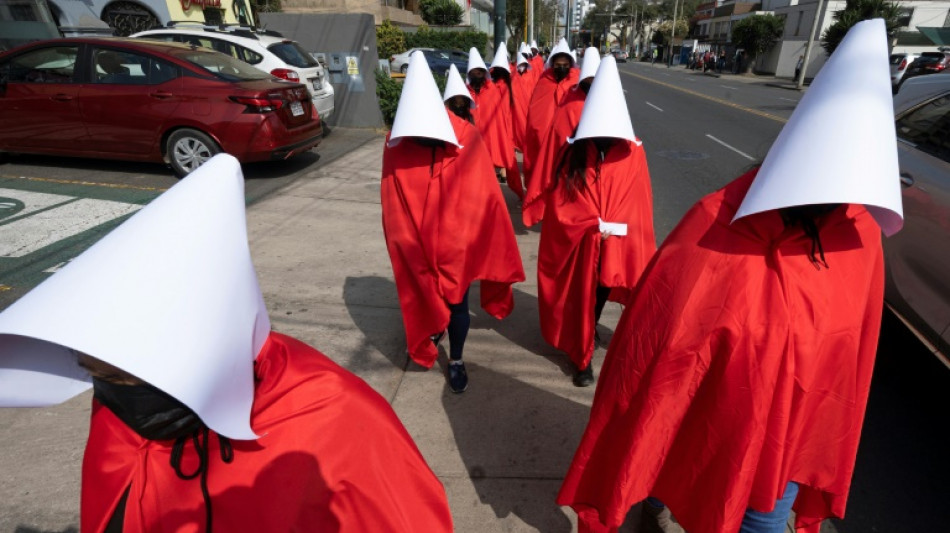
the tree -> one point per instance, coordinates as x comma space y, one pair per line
756, 34
855, 11
543, 20
440, 12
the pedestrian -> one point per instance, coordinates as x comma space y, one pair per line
597, 234
456, 96
653, 57
562, 127
722, 60
488, 110
735, 385
798, 67
445, 223
558, 79
203, 418
501, 138
523, 80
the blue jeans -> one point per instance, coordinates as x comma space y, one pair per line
775, 520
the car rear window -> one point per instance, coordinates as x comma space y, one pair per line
897, 58
293, 54
222, 66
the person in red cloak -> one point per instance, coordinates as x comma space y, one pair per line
445, 222
203, 419
537, 60
548, 95
598, 234
522, 85
564, 125
501, 142
735, 386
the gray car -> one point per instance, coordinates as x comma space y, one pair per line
918, 257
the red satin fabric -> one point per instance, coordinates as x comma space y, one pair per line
446, 225
502, 140
332, 456
545, 100
571, 246
522, 85
736, 367
565, 122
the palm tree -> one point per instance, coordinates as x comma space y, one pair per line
855, 11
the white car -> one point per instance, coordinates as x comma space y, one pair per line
899, 63
265, 50
400, 62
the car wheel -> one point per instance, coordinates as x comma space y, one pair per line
187, 149
404, 69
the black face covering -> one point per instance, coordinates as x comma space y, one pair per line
151, 413
561, 72
476, 83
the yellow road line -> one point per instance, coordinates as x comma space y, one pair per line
88, 183
710, 98
4, 288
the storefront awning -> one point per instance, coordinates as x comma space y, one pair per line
939, 36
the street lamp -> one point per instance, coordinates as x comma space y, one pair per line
672, 35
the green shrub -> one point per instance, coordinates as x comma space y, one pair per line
441, 12
426, 37
389, 90
390, 40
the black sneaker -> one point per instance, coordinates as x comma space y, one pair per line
458, 377
585, 377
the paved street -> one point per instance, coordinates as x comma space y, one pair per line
501, 448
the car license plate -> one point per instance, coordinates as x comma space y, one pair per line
317, 84
296, 108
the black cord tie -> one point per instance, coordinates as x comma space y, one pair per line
811, 231
201, 448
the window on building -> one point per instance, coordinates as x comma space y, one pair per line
798, 23
213, 16
904, 16
23, 12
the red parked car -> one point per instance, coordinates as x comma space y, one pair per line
130, 99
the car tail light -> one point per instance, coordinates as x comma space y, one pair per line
257, 104
903, 64
285, 74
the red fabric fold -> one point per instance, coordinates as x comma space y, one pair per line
555, 140
545, 100
736, 367
332, 456
571, 247
446, 225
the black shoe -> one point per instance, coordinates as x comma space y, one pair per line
458, 377
585, 377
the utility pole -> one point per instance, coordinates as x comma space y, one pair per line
501, 8
672, 35
800, 82
567, 23
530, 12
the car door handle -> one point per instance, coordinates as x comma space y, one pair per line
60, 97
906, 180
161, 95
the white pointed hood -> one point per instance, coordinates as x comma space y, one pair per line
590, 63
839, 145
455, 86
605, 109
561, 48
420, 112
475, 61
169, 296
501, 59
534, 45
522, 58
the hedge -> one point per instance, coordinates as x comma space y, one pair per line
390, 40
388, 91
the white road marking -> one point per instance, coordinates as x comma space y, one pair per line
743, 154
54, 269
728, 87
654, 107
787, 99
27, 235
33, 201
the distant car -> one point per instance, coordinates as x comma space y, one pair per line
619, 55
266, 50
138, 100
927, 63
918, 287
899, 64
400, 62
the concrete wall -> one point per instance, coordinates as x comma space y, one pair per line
380, 12
339, 36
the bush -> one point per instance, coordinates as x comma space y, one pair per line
388, 92
390, 40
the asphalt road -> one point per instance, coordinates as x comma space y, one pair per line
699, 133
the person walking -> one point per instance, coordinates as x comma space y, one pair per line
597, 235
445, 223
735, 385
203, 418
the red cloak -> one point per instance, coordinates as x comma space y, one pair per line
545, 100
332, 456
571, 246
502, 145
521, 85
565, 122
737, 366
446, 224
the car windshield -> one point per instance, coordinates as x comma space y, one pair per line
293, 54
223, 66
